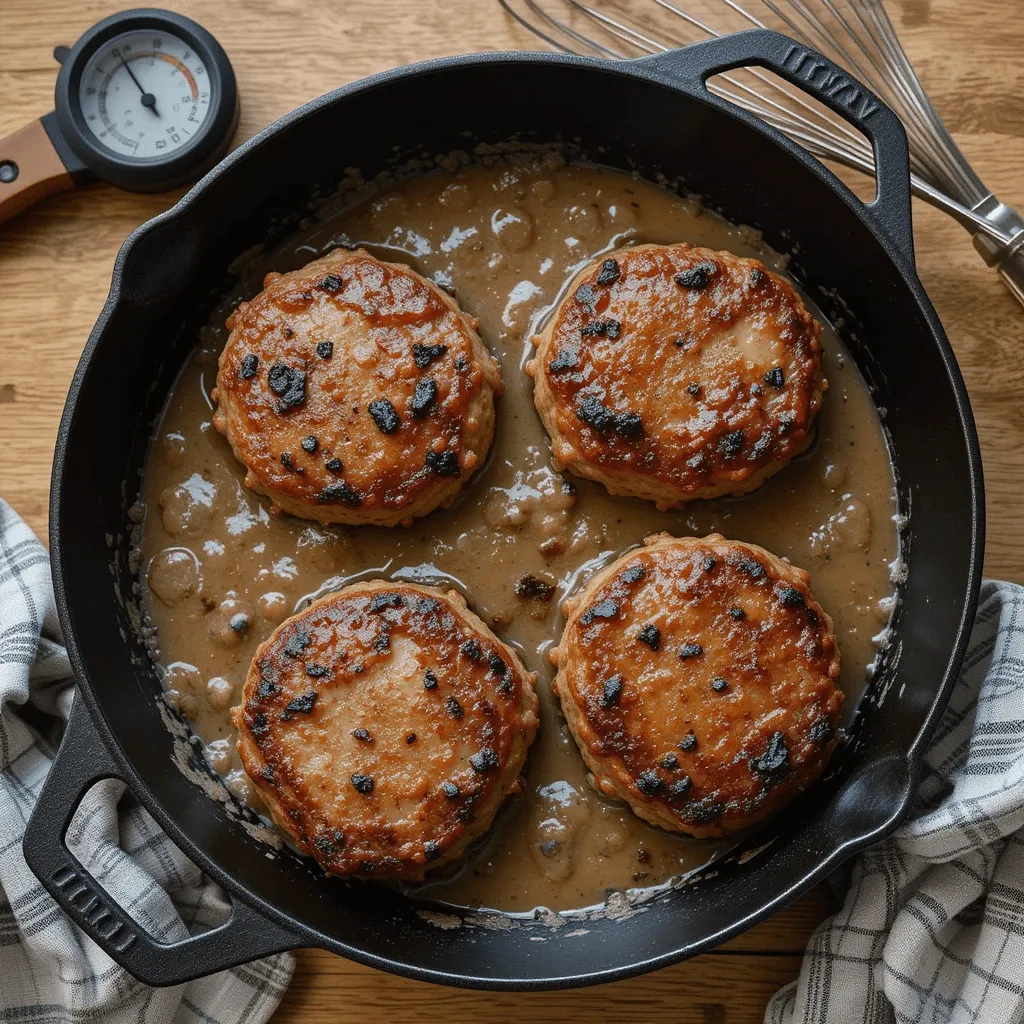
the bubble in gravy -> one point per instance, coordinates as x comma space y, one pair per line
174, 575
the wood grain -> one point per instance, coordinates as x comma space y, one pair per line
55, 264
714, 989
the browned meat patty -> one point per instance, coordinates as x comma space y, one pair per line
355, 391
383, 726
698, 677
670, 372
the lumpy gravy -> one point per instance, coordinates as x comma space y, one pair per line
505, 235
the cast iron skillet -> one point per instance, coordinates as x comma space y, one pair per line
653, 114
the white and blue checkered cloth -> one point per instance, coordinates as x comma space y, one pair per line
932, 929
50, 973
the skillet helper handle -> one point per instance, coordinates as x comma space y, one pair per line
82, 761
826, 82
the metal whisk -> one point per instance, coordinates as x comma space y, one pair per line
856, 34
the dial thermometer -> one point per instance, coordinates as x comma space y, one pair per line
146, 100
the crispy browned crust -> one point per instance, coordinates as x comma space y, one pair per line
674, 401
373, 314
358, 660
632, 704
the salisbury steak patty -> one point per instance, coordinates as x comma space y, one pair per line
355, 391
383, 726
698, 677
670, 372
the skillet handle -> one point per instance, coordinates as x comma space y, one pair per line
824, 80
81, 761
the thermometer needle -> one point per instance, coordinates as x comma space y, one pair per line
147, 99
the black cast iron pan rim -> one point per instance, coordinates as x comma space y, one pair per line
912, 757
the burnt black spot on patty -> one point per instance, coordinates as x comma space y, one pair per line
650, 635
301, 705
424, 396
773, 764
424, 355
362, 783
606, 609
289, 384
597, 415
634, 574
384, 415
732, 444
297, 643
688, 742
649, 783
608, 327
703, 812
443, 463
484, 760
680, 788
586, 297
611, 691
697, 277
790, 597
609, 273
385, 599
339, 493
565, 359
752, 568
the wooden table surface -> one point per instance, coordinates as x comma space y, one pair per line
55, 264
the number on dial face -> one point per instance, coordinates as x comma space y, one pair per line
145, 94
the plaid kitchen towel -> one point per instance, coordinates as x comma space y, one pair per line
932, 928
49, 971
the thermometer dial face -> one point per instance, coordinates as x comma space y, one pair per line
145, 94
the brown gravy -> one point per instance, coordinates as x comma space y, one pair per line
505, 234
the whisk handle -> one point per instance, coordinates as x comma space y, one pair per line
826, 82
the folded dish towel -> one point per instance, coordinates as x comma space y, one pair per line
932, 928
50, 971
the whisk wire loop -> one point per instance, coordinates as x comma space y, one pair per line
856, 34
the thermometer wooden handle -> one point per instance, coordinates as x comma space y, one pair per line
30, 170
